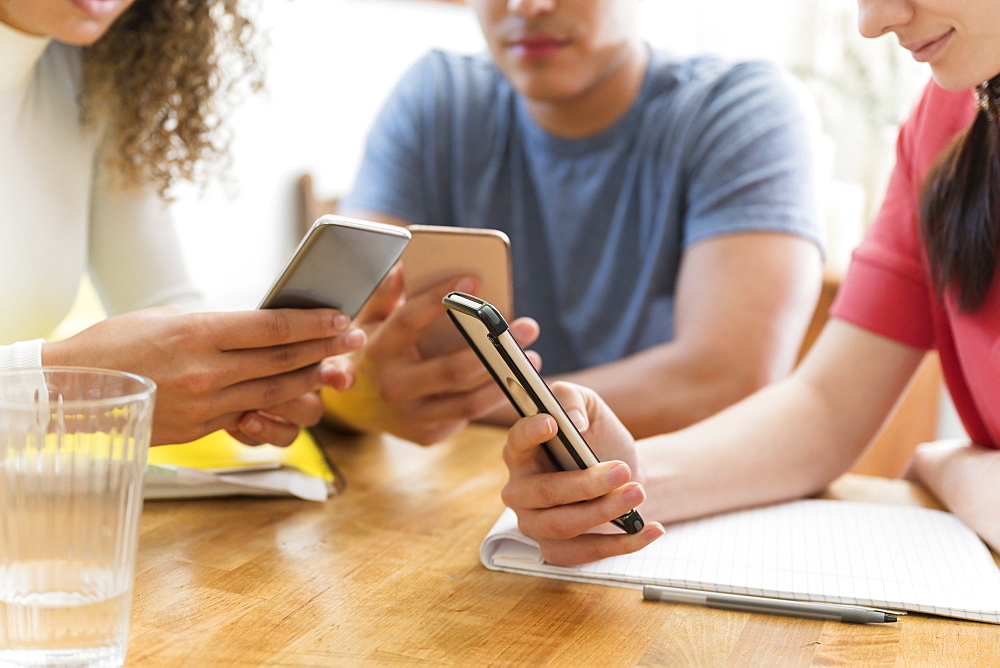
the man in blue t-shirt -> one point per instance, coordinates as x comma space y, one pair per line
661, 213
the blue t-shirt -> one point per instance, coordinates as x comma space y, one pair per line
597, 225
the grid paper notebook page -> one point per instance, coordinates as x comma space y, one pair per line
884, 556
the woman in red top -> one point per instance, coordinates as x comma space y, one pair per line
924, 278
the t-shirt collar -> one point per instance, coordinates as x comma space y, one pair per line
19, 53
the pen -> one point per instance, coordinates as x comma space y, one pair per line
774, 606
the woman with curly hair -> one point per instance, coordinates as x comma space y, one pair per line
106, 105
925, 278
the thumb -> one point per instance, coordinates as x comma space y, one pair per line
385, 299
574, 400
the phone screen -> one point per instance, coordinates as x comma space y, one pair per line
338, 264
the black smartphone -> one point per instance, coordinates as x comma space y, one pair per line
338, 264
486, 331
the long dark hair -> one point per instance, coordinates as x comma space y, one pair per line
960, 206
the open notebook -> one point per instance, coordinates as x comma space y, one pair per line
883, 556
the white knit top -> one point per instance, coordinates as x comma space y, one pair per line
59, 215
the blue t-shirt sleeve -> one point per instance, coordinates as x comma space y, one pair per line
389, 177
752, 157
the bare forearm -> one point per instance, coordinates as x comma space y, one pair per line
658, 391
779, 444
665, 389
789, 439
964, 478
674, 385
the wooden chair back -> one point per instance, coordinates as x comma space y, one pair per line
311, 207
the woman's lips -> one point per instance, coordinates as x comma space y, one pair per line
98, 8
926, 51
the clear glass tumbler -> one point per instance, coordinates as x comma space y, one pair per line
73, 445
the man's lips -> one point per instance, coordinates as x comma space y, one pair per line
537, 45
925, 51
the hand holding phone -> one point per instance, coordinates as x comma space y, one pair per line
338, 264
486, 331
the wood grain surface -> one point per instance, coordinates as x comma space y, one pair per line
388, 574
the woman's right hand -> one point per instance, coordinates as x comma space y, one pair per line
211, 368
567, 512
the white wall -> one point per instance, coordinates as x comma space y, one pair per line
331, 63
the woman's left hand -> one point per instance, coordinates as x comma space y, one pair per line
279, 425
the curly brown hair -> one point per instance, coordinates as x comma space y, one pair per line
157, 78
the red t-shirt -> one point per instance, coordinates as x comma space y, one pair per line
888, 289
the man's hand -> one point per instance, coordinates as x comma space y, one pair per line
395, 389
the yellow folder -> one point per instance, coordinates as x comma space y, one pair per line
219, 465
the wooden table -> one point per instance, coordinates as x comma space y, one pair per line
388, 574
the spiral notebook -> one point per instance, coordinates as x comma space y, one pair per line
883, 556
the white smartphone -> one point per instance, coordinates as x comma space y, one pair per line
438, 252
485, 329
338, 264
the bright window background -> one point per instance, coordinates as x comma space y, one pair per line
331, 63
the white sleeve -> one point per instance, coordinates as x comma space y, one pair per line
22, 355
135, 256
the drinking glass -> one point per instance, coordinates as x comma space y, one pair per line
73, 446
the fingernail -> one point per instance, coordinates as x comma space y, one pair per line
354, 339
633, 496
618, 475
579, 418
336, 378
341, 322
251, 426
328, 373
465, 285
653, 531
543, 427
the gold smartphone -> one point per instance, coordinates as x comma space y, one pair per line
436, 253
